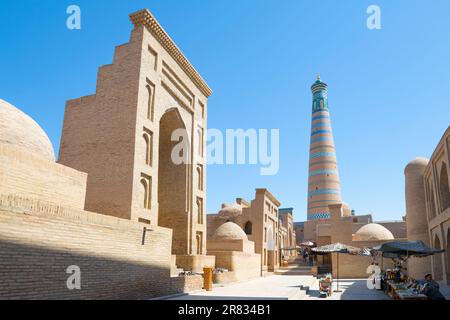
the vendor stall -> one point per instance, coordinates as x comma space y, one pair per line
339, 248
396, 282
404, 291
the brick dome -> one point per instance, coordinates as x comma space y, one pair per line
19, 130
373, 231
417, 165
229, 231
230, 211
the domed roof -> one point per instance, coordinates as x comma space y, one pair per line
20, 130
319, 85
417, 165
230, 211
373, 231
229, 231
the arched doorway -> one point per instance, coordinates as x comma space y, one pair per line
437, 261
248, 229
172, 184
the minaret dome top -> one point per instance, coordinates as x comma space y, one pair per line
319, 85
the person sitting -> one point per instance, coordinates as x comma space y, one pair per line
431, 289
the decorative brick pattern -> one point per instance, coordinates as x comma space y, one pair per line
323, 184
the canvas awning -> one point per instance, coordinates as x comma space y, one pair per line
338, 248
399, 249
307, 244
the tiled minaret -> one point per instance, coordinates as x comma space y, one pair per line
324, 185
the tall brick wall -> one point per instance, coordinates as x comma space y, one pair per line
104, 135
23, 174
397, 228
38, 241
99, 133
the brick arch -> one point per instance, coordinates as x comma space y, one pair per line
444, 188
432, 203
173, 191
438, 273
248, 228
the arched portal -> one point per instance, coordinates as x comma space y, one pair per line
248, 228
172, 183
437, 261
432, 204
444, 189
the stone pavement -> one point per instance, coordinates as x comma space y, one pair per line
283, 287
274, 287
351, 290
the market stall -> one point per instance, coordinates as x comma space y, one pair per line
396, 282
339, 248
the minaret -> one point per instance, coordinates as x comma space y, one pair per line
324, 185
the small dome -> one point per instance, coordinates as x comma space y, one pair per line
373, 231
19, 130
230, 211
229, 231
417, 165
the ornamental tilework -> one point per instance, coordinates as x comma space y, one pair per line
322, 156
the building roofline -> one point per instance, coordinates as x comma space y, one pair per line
269, 195
145, 18
437, 148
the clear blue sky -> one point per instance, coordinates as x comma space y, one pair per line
389, 89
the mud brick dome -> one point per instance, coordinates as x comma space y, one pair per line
229, 231
230, 211
417, 166
373, 231
19, 130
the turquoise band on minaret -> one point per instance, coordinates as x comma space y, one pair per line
324, 184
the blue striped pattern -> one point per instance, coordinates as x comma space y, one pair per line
330, 139
323, 154
322, 215
319, 172
312, 164
322, 147
320, 117
320, 125
321, 132
323, 173
324, 191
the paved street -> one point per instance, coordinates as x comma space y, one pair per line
282, 287
351, 290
